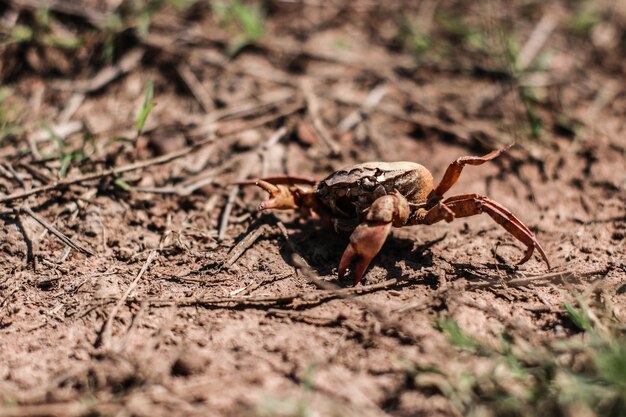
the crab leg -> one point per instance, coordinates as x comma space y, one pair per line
279, 179
454, 170
365, 242
472, 204
281, 197
286, 192
368, 237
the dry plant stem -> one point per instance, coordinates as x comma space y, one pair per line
244, 244
97, 175
9, 172
71, 107
248, 163
537, 39
464, 131
372, 100
274, 75
381, 315
197, 89
105, 76
294, 300
137, 165
262, 282
248, 108
56, 232
551, 277
69, 409
108, 325
78, 9
265, 148
62, 130
314, 109
35, 173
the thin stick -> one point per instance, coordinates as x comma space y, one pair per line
107, 329
293, 300
56, 232
372, 100
314, 108
113, 171
163, 159
551, 277
244, 244
68, 409
249, 289
105, 76
265, 148
537, 39
243, 174
195, 86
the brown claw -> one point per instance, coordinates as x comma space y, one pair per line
529, 253
365, 243
281, 197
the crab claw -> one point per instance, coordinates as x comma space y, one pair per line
281, 197
365, 243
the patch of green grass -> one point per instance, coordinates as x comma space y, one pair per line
457, 337
585, 372
245, 22
66, 156
8, 115
472, 36
41, 33
585, 17
182, 5
413, 36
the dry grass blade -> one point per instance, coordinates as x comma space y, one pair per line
68, 409
543, 278
244, 244
113, 171
313, 106
105, 337
372, 100
197, 89
105, 76
290, 301
537, 39
62, 130
246, 168
56, 232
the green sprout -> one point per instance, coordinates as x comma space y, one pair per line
245, 22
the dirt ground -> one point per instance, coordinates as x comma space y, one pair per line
135, 282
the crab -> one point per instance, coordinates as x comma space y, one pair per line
371, 198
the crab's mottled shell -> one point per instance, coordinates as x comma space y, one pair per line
348, 192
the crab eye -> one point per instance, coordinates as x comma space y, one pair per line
368, 184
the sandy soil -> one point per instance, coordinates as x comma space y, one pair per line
164, 319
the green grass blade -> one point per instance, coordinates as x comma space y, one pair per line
146, 107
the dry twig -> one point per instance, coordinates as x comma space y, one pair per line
56, 232
244, 244
542, 279
314, 109
197, 89
105, 76
292, 301
105, 334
